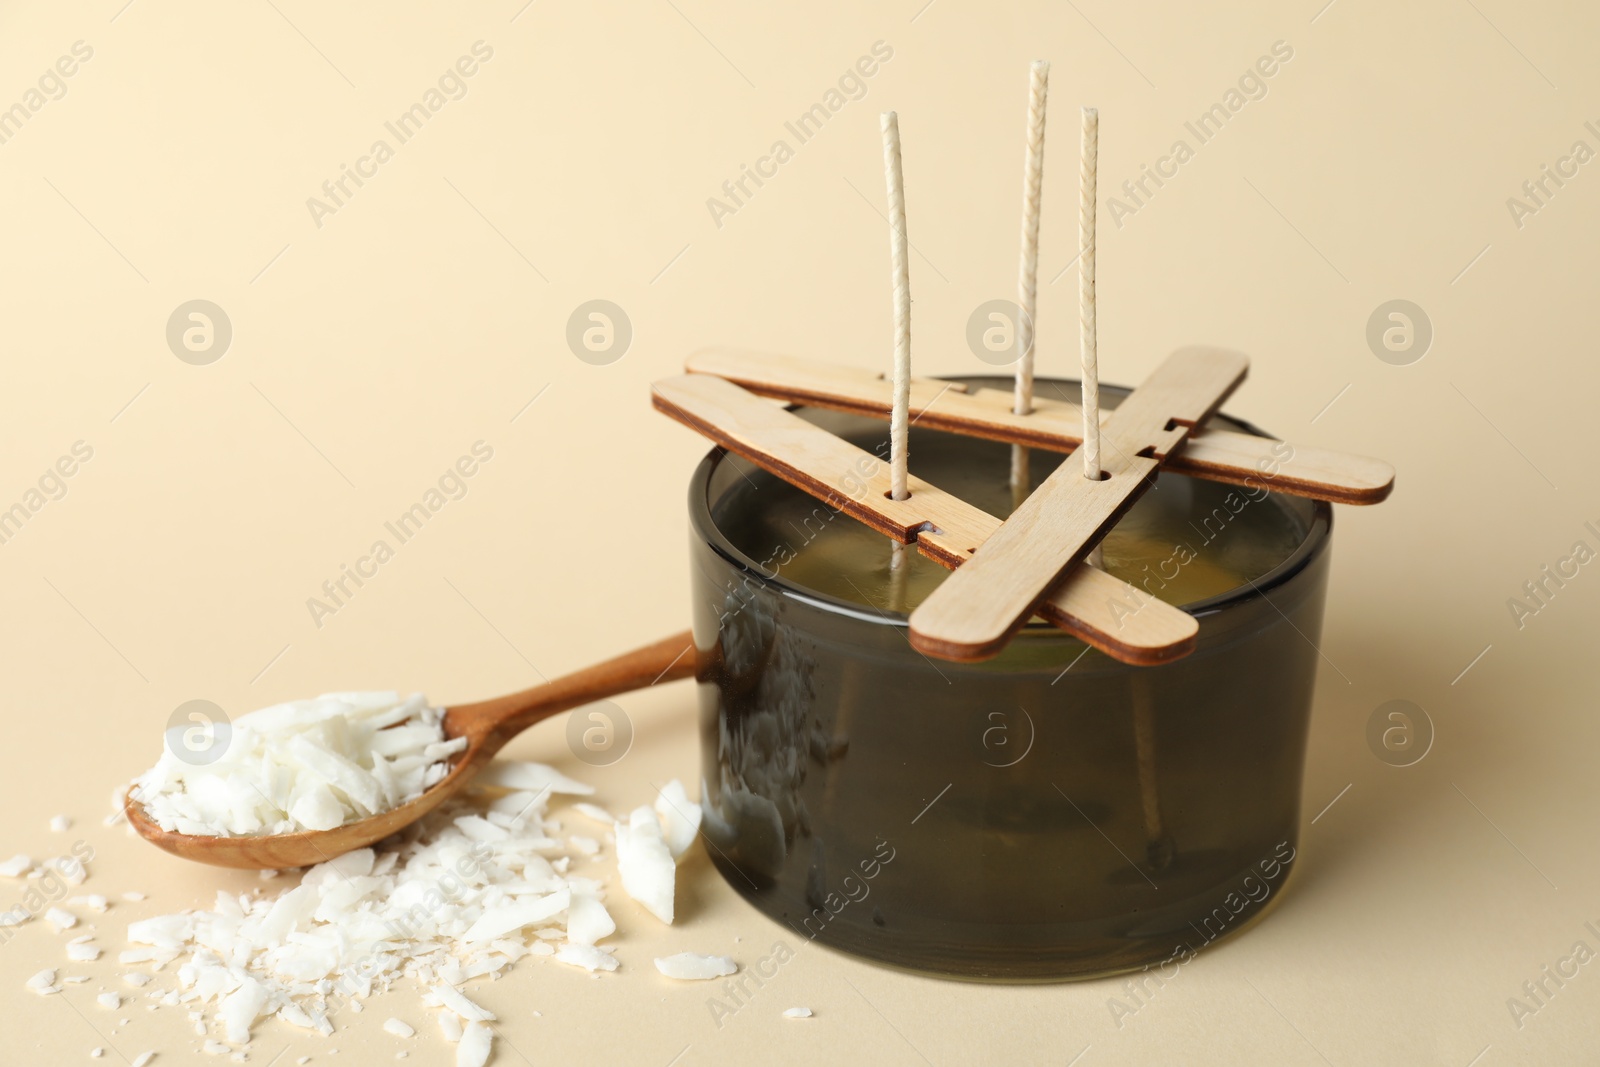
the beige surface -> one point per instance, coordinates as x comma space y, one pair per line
377, 348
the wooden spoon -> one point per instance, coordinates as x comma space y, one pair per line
487, 725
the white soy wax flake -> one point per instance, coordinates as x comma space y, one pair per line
133, 896
61, 919
797, 1013
303, 765
680, 817
137, 979
587, 918
82, 950
588, 957
142, 1059
452, 998
693, 967
44, 983
69, 868
215, 1048
109, 1001
60, 824
399, 1028
646, 864
598, 814
96, 1053
532, 778
16, 866
94, 902
15, 917
474, 1047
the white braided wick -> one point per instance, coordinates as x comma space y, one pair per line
902, 306
1086, 310
1028, 273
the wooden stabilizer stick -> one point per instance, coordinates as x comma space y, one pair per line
975, 611
1106, 612
1057, 425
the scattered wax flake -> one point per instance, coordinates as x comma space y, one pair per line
61, 919
586, 845
82, 952
216, 1048
96, 1053
598, 814
60, 824
133, 896
452, 998
399, 1028
240, 1008
109, 1001
691, 966
473, 1050
68, 867
507, 918
94, 902
797, 1013
44, 983
680, 817
646, 864
16, 866
474, 886
587, 919
531, 777
142, 1059
586, 956
15, 917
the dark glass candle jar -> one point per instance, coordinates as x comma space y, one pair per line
1047, 814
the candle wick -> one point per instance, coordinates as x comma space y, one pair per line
901, 283
1087, 341
1028, 272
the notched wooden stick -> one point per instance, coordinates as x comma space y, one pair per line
1055, 424
975, 611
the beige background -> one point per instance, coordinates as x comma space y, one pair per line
430, 310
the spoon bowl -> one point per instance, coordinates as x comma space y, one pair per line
487, 726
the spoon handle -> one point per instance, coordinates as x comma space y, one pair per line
492, 723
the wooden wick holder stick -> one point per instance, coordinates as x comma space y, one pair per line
1055, 424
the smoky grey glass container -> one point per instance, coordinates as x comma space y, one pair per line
1048, 814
